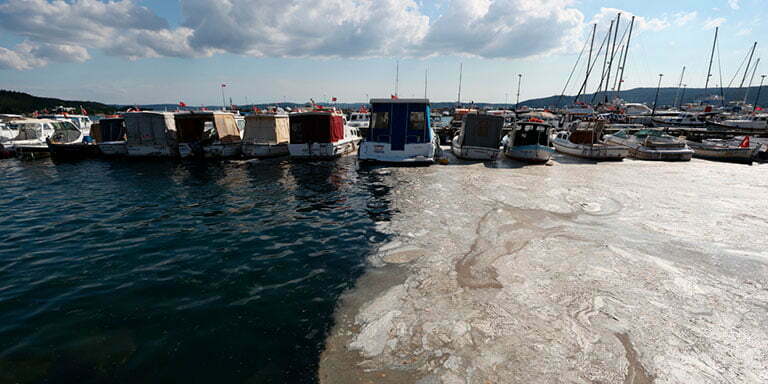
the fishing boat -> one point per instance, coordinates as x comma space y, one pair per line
400, 132
30, 143
69, 143
479, 137
151, 134
651, 144
587, 144
529, 141
748, 123
683, 119
110, 136
725, 150
321, 133
361, 120
211, 134
266, 135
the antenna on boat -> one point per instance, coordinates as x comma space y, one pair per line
751, 79
679, 85
397, 78
461, 71
711, 59
626, 51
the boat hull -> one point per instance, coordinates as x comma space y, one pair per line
150, 151
591, 152
724, 154
263, 151
113, 148
31, 152
642, 152
411, 153
530, 153
74, 151
467, 152
323, 150
222, 151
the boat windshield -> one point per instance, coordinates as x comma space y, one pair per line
64, 132
27, 131
532, 134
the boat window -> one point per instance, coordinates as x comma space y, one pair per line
27, 131
380, 120
64, 132
417, 121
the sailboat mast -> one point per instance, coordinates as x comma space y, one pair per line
679, 85
397, 78
605, 61
426, 71
749, 64
751, 79
626, 51
461, 71
711, 58
613, 53
591, 46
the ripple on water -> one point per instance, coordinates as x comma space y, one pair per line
184, 272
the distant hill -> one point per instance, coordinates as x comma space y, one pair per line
646, 95
21, 103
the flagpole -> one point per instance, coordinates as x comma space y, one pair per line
223, 100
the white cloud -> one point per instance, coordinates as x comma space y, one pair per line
734, 4
604, 17
58, 30
683, 18
744, 32
712, 23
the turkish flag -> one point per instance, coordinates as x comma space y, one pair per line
333, 99
744, 143
393, 97
182, 104
758, 109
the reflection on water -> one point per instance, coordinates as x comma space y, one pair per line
178, 272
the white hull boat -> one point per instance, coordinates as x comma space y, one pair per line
721, 151
530, 153
529, 141
473, 153
261, 151
596, 151
400, 131
324, 150
652, 145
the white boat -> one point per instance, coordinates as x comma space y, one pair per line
360, 119
587, 144
151, 134
649, 144
110, 136
529, 141
266, 135
400, 132
683, 119
82, 122
756, 123
6, 133
322, 133
724, 150
479, 137
30, 142
211, 134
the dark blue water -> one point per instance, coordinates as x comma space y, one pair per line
177, 272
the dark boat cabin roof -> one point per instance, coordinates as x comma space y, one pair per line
482, 130
316, 127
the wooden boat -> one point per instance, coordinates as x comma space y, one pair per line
150, 134
266, 135
724, 150
400, 132
651, 144
529, 141
586, 143
322, 133
211, 134
479, 137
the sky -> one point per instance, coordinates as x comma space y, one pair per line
166, 51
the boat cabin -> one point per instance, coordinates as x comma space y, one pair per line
316, 127
82, 122
400, 131
482, 131
267, 129
32, 129
531, 132
151, 133
109, 130
209, 133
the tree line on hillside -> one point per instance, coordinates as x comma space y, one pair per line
12, 102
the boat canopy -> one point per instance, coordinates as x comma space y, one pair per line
267, 128
316, 127
482, 130
531, 133
399, 122
112, 129
150, 128
207, 127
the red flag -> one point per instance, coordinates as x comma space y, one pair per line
744, 143
333, 99
758, 109
182, 104
393, 97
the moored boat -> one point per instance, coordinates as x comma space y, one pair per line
587, 144
30, 141
266, 135
150, 134
724, 150
650, 144
479, 137
69, 143
400, 132
110, 136
322, 133
211, 134
529, 141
